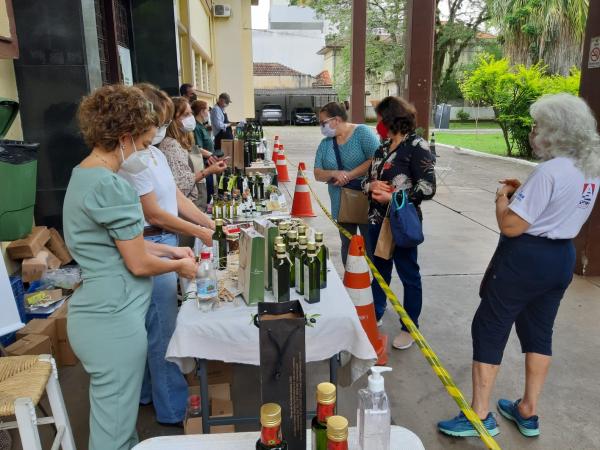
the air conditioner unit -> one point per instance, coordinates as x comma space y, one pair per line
222, 11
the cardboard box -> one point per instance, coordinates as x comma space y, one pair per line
269, 231
220, 391
57, 245
251, 274
43, 327
32, 344
65, 354
31, 245
218, 372
11, 265
268, 167
33, 269
219, 407
52, 260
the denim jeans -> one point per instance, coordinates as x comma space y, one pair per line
164, 384
352, 228
407, 267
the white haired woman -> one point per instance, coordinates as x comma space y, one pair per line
535, 258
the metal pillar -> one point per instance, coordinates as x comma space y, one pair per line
420, 30
359, 48
587, 243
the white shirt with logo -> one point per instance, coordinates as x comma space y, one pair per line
158, 178
556, 199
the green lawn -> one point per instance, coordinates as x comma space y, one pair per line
487, 143
483, 124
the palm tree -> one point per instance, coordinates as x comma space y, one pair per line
542, 30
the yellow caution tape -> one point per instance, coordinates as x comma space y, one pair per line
426, 349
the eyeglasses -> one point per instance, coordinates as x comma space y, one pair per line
325, 121
166, 124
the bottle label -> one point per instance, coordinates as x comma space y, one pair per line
298, 265
207, 288
275, 284
337, 445
215, 252
306, 282
270, 436
324, 412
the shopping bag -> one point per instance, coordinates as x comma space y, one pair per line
251, 272
283, 366
354, 206
385, 242
407, 228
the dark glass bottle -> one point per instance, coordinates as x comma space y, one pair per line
299, 264
326, 396
270, 433
337, 433
292, 248
220, 245
323, 256
311, 274
261, 187
247, 153
281, 275
283, 232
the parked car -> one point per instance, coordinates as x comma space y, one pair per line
304, 116
272, 114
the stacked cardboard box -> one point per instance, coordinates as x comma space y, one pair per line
32, 344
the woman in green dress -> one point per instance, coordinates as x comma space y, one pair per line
103, 225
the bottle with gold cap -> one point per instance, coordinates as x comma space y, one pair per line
323, 256
312, 274
283, 229
219, 245
299, 264
278, 240
292, 250
337, 433
270, 434
301, 231
326, 396
281, 275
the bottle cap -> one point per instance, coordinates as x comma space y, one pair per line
292, 234
319, 236
376, 380
303, 240
283, 226
195, 401
337, 429
326, 393
311, 247
280, 248
205, 255
270, 415
278, 240
219, 222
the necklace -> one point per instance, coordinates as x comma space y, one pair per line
106, 163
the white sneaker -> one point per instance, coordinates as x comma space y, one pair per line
380, 322
403, 341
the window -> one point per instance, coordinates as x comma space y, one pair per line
201, 73
206, 78
9, 48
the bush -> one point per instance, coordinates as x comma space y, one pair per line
510, 91
462, 115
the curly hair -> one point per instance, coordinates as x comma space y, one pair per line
112, 111
398, 115
163, 105
566, 126
186, 140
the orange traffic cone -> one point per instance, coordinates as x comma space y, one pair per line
358, 285
281, 166
275, 156
302, 206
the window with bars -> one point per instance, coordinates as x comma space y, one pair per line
198, 71
112, 25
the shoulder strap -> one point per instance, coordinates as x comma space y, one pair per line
338, 156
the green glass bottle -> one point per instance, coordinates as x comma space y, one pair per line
299, 264
311, 274
323, 256
281, 275
301, 231
278, 240
226, 206
292, 250
326, 397
220, 245
283, 232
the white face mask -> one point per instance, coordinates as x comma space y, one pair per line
327, 131
188, 124
160, 135
136, 162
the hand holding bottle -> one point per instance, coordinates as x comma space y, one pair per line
217, 168
205, 235
187, 268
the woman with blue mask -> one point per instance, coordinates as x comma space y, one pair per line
342, 159
103, 226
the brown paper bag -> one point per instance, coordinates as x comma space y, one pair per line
354, 207
385, 243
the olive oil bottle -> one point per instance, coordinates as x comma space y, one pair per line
281, 275
323, 256
299, 264
292, 250
220, 245
326, 397
312, 275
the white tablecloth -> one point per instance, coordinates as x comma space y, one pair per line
228, 333
401, 439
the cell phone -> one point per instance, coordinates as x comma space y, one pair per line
331, 181
225, 158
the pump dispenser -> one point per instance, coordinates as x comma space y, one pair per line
373, 415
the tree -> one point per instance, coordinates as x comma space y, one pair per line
542, 30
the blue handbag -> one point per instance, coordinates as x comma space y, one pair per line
407, 228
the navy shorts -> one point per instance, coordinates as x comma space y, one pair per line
523, 285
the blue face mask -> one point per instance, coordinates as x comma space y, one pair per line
327, 131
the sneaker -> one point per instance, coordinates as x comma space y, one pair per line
461, 427
380, 322
403, 341
528, 427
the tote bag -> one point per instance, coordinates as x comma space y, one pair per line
407, 228
354, 204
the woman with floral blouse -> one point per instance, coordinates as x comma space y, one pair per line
402, 163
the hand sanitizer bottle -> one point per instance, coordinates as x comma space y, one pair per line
373, 415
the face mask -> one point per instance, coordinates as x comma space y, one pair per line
382, 130
327, 131
136, 162
188, 124
160, 135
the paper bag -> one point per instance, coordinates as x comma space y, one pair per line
385, 242
283, 366
234, 148
269, 231
251, 274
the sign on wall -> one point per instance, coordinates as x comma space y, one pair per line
594, 59
125, 63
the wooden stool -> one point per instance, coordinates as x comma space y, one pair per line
23, 380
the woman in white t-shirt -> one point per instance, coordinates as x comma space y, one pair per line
534, 262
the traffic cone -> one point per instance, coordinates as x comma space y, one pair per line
302, 206
358, 284
275, 156
281, 166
